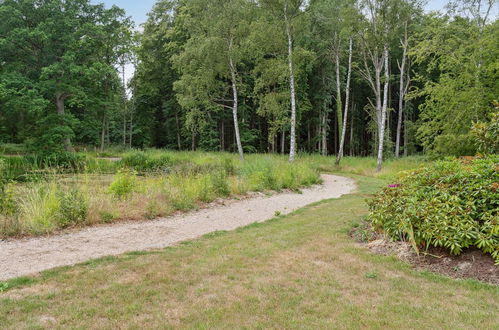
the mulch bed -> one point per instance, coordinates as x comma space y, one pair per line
471, 264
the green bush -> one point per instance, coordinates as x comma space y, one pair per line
454, 145
220, 183
487, 134
125, 182
452, 204
7, 202
12, 149
141, 161
73, 208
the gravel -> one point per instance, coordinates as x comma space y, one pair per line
29, 256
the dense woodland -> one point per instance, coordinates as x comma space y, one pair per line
378, 78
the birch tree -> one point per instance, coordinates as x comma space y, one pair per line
288, 10
347, 99
215, 50
403, 87
374, 41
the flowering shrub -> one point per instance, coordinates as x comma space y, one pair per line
452, 204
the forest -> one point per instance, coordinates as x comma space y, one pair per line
381, 78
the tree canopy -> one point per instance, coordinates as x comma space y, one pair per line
358, 77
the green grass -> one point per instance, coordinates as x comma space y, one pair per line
297, 271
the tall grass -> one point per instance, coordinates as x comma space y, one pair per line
153, 183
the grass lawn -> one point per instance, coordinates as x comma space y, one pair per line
298, 271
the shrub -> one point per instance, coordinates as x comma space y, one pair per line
8, 205
12, 149
141, 161
125, 182
452, 204
73, 208
487, 134
220, 183
454, 145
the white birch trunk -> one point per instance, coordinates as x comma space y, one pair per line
401, 95
382, 121
347, 96
338, 86
235, 108
292, 147
324, 132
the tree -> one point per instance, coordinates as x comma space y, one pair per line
52, 46
458, 82
375, 38
220, 29
288, 10
347, 99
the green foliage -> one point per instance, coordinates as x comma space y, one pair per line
125, 183
7, 202
452, 204
12, 149
220, 183
73, 208
487, 134
52, 132
141, 161
459, 78
454, 145
57, 68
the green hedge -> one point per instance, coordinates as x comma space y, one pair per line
452, 204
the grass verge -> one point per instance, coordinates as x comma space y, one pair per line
298, 271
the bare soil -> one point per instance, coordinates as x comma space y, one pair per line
471, 264
19, 257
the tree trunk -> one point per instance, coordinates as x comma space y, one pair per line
324, 133
131, 130
59, 103
347, 96
401, 95
108, 137
222, 135
124, 128
292, 147
177, 124
339, 107
283, 141
309, 137
406, 137
382, 120
352, 153
103, 134
235, 107
124, 103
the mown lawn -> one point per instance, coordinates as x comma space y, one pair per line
298, 271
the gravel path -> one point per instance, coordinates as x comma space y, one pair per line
32, 255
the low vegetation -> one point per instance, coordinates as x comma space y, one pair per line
298, 271
452, 204
44, 195
142, 185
